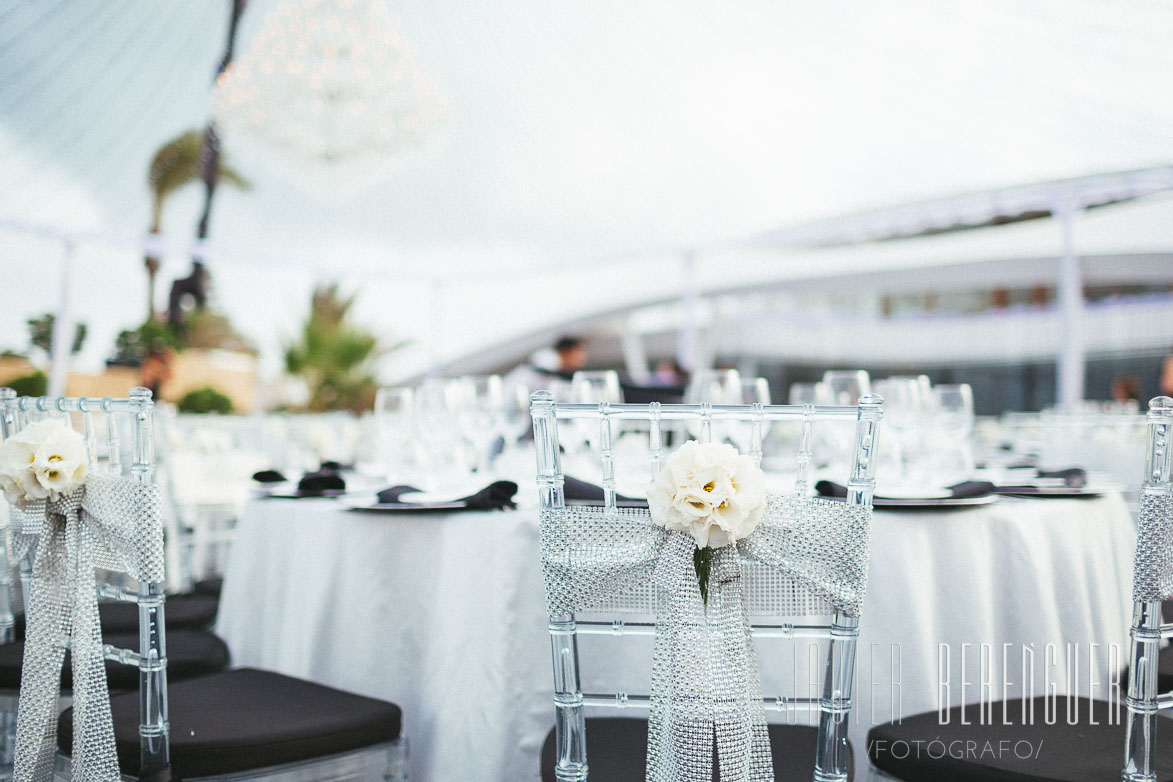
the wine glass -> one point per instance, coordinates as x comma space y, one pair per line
845, 386
395, 424
591, 387
438, 402
751, 390
755, 389
904, 416
806, 393
481, 412
952, 414
715, 386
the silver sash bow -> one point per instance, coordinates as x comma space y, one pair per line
1152, 565
111, 523
705, 682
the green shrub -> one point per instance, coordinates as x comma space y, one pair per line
32, 384
205, 400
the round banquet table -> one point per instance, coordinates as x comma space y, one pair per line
443, 613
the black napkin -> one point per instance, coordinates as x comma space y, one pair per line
268, 476
496, 496
1073, 477
320, 482
584, 493
388, 496
957, 491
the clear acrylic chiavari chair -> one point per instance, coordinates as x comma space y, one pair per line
132, 566
1083, 740
239, 724
780, 607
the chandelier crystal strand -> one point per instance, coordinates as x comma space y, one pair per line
333, 89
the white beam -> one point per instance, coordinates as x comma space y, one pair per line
1071, 363
686, 337
63, 325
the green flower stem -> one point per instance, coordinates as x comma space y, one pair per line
702, 562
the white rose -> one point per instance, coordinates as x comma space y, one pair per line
18, 456
711, 492
60, 462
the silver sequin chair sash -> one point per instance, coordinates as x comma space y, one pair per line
1152, 567
705, 680
113, 523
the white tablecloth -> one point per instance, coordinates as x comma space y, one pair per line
444, 614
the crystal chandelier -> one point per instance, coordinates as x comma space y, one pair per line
332, 89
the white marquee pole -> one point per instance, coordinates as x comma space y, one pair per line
686, 337
436, 328
63, 325
635, 358
1072, 361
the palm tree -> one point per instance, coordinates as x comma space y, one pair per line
335, 357
176, 164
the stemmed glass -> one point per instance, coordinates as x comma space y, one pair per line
439, 431
517, 420
845, 386
395, 427
952, 416
807, 393
751, 390
592, 388
715, 386
905, 417
839, 387
481, 412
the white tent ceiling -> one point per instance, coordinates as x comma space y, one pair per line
578, 129
604, 134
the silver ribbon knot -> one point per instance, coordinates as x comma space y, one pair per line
110, 523
706, 689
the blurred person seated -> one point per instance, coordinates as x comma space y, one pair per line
1166, 382
669, 373
1126, 388
549, 368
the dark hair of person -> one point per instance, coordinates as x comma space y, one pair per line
567, 343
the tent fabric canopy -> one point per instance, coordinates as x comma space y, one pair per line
607, 128
585, 150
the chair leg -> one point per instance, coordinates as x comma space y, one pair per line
835, 703
397, 761
1142, 693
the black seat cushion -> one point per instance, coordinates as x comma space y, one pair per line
209, 586
186, 610
245, 719
1164, 670
1024, 751
190, 653
617, 749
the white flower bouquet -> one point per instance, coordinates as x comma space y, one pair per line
711, 492
44, 460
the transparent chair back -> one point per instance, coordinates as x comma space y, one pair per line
1152, 583
768, 593
104, 424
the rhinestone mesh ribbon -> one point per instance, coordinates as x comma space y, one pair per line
1152, 566
705, 682
112, 523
